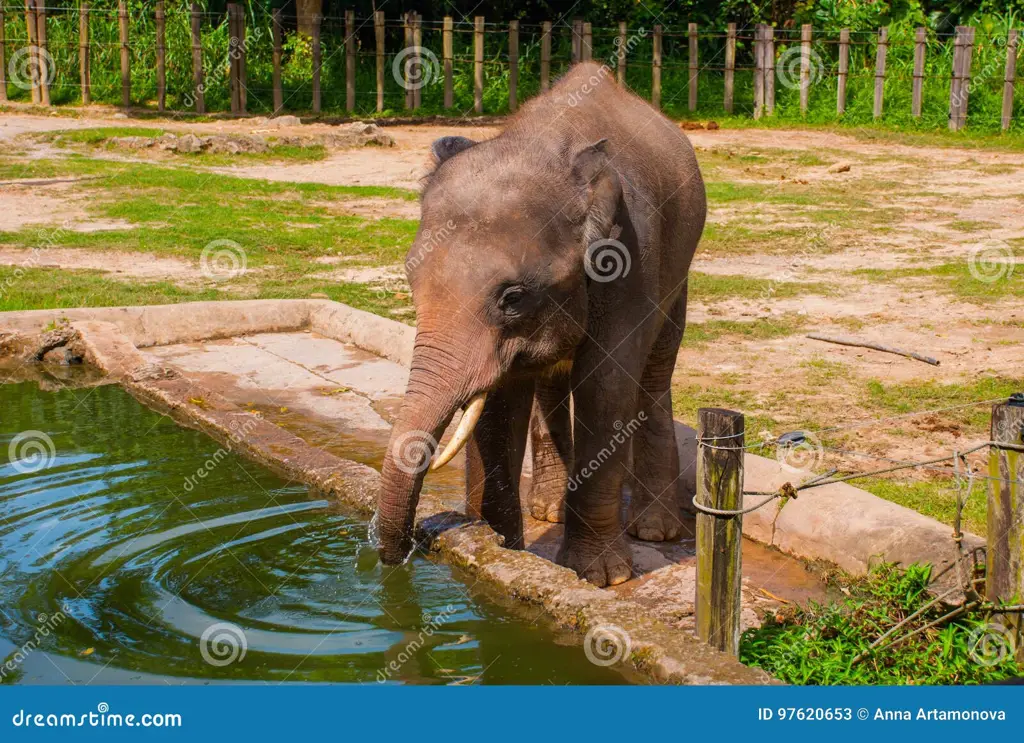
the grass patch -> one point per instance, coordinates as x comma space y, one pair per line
817, 644
763, 329
985, 283
710, 287
967, 404
99, 134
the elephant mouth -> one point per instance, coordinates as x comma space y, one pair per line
474, 409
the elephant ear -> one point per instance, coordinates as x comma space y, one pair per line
600, 189
448, 147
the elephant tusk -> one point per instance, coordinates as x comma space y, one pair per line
469, 420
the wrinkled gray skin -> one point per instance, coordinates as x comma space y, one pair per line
506, 302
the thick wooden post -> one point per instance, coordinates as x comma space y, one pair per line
126, 59
545, 55
318, 61
920, 39
161, 59
1009, 78
448, 53
1005, 551
84, 72
694, 71
587, 51
30, 42
277, 31
417, 43
844, 70
577, 40
620, 69
719, 538
350, 60
769, 69
656, 70
3, 56
197, 59
513, 64
758, 70
378, 32
967, 52
730, 66
805, 68
43, 54
478, 64
233, 87
409, 62
880, 51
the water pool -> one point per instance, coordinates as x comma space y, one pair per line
133, 550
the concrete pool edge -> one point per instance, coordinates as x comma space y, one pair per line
656, 651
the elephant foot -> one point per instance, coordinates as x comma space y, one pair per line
654, 521
601, 563
547, 503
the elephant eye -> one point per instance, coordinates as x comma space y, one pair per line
512, 300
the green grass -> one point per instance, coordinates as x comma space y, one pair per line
967, 404
782, 326
99, 134
976, 284
710, 287
817, 644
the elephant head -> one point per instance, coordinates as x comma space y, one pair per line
498, 282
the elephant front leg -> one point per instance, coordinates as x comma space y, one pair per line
494, 461
595, 545
551, 442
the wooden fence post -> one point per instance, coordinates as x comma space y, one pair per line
318, 61
277, 32
407, 23
620, 69
577, 40
233, 88
720, 436
920, 38
30, 42
730, 66
691, 32
448, 52
1009, 78
545, 55
758, 70
656, 70
805, 68
960, 87
513, 63
43, 54
478, 64
197, 59
126, 60
3, 57
880, 50
378, 31
84, 73
350, 60
588, 42
1005, 550
417, 55
769, 69
161, 58
844, 70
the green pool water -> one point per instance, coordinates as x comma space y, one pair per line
136, 551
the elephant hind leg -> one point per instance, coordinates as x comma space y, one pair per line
654, 514
551, 442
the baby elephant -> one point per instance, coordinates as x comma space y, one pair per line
550, 266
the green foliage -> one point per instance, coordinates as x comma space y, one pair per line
817, 645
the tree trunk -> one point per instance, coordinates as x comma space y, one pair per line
305, 10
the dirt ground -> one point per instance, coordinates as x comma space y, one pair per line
865, 227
